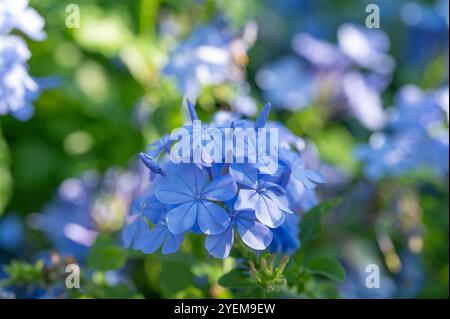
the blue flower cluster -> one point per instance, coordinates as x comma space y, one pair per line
213, 55
351, 74
415, 138
223, 198
17, 89
87, 206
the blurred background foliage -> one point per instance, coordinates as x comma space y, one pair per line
105, 100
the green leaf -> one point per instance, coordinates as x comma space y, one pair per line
336, 146
176, 274
311, 224
242, 284
105, 255
23, 273
327, 267
5, 176
236, 279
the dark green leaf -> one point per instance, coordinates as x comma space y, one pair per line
311, 224
105, 255
327, 267
236, 279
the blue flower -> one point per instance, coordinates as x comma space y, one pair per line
11, 233
286, 237
267, 199
187, 188
151, 240
288, 83
309, 178
134, 229
417, 122
15, 14
17, 89
213, 55
350, 75
215, 197
253, 233
203, 59
87, 206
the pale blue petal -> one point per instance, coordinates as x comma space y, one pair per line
134, 231
299, 174
247, 199
220, 245
245, 174
172, 190
150, 207
181, 218
315, 176
268, 212
212, 219
253, 233
173, 243
222, 188
281, 201
193, 177
275, 188
152, 240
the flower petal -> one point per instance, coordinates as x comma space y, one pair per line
245, 174
268, 213
222, 188
253, 233
181, 218
212, 219
262, 117
134, 231
281, 201
315, 176
173, 243
246, 199
193, 177
172, 190
152, 240
220, 245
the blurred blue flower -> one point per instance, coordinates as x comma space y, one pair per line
411, 278
286, 238
288, 83
15, 14
351, 74
416, 122
86, 206
11, 233
17, 89
213, 55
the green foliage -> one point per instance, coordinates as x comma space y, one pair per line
106, 255
5, 176
296, 277
311, 224
23, 273
327, 267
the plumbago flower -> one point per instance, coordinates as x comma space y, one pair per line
17, 89
86, 206
415, 138
213, 55
256, 188
351, 74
